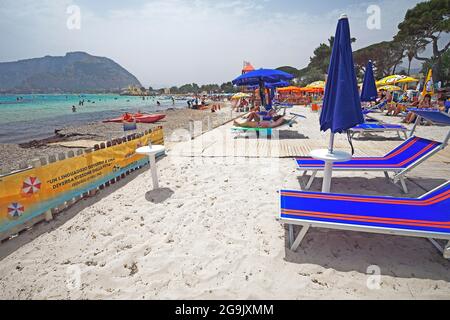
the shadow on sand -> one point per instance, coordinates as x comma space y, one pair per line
61, 218
159, 195
377, 137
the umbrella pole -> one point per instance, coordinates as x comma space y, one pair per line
328, 173
262, 94
331, 145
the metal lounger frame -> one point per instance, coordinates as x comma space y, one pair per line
362, 133
268, 131
295, 242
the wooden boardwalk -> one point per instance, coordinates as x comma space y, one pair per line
304, 137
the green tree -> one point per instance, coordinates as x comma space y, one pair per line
310, 75
228, 87
445, 67
189, 88
210, 88
291, 70
322, 56
411, 47
386, 56
426, 24
319, 63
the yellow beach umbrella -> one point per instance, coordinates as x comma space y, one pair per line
390, 88
240, 95
394, 79
428, 88
317, 85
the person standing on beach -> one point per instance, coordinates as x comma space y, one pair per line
173, 101
158, 103
74, 109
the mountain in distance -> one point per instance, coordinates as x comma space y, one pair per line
291, 70
76, 72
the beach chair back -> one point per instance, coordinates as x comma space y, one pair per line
413, 151
440, 194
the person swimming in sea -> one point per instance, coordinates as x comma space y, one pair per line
158, 103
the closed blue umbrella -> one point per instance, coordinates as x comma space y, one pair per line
341, 106
369, 90
260, 78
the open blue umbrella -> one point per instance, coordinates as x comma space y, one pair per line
369, 90
260, 77
269, 85
265, 75
341, 106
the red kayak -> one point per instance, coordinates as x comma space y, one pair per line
138, 117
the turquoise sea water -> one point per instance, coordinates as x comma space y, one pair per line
27, 117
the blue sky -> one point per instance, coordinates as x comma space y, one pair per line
171, 42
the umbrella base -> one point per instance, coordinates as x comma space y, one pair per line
329, 159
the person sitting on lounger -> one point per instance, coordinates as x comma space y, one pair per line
396, 108
424, 104
274, 123
258, 116
442, 105
381, 96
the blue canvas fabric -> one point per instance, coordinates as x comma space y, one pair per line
261, 78
427, 214
369, 90
432, 115
342, 106
400, 158
268, 76
378, 126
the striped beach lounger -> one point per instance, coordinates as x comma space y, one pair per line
426, 217
400, 161
267, 132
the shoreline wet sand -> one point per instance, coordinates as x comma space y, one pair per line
13, 155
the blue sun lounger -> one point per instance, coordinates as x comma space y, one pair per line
400, 161
266, 132
365, 128
377, 108
435, 116
425, 217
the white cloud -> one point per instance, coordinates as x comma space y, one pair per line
179, 41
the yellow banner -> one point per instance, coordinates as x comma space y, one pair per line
30, 193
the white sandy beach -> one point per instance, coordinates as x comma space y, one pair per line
212, 232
